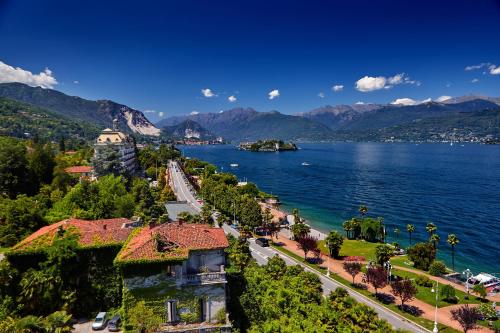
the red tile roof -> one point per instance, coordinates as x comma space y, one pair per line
79, 169
184, 238
90, 232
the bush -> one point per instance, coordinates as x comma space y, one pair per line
496, 326
448, 294
487, 311
220, 316
423, 281
437, 268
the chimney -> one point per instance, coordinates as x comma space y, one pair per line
180, 221
104, 226
152, 223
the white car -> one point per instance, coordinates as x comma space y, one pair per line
99, 321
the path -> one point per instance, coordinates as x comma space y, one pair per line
182, 188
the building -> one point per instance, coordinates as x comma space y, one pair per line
112, 140
82, 171
185, 281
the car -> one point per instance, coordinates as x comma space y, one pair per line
99, 321
114, 323
264, 242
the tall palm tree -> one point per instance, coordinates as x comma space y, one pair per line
434, 239
453, 240
347, 225
411, 229
431, 228
396, 232
363, 210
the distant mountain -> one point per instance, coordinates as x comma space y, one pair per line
101, 112
468, 98
248, 125
23, 120
187, 129
337, 116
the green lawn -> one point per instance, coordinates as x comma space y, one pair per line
426, 295
4, 249
354, 248
421, 321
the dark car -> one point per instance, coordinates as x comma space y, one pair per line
114, 324
264, 242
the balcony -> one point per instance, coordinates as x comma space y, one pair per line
205, 278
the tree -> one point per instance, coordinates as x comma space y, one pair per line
249, 212
372, 229
334, 243
363, 210
396, 232
296, 216
377, 277
42, 163
480, 289
422, 255
300, 230
352, 268
383, 252
238, 253
411, 229
434, 239
275, 267
107, 162
430, 228
307, 243
143, 319
267, 218
447, 293
14, 172
453, 241
404, 289
466, 316
347, 225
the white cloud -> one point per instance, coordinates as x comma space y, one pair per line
410, 101
221, 111
76, 82
274, 94
474, 67
405, 101
207, 92
474, 80
494, 70
149, 111
194, 113
443, 98
232, 98
370, 83
43, 79
161, 114
337, 88
360, 103
321, 94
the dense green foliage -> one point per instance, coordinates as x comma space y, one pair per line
22, 120
422, 255
334, 243
277, 298
269, 145
437, 268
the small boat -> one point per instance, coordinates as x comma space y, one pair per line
233, 165
305, 164
451, 143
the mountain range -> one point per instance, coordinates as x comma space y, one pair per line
467, 118
100, 112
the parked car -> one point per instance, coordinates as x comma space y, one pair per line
99, 321
114, 323
264, 242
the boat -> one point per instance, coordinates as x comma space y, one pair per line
305, 164
233, 165
490, 282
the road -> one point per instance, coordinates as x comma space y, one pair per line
181, 187
261, 255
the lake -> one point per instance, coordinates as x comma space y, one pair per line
456, 187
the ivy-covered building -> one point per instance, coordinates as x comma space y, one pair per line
178, 270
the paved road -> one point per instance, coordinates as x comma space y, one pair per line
181, 187
261, 254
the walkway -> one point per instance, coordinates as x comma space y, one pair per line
182, 188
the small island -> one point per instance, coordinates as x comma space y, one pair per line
267, 145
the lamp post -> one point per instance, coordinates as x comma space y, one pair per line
328, 266
468, 275
436, 330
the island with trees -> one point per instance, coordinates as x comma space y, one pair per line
268, 145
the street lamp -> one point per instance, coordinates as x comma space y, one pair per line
328, 266
468, 275
436, 330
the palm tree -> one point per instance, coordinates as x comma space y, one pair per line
453, 240
363, 210
296, 216
411, 229
434, 239
431, 228
347, 227
396, 232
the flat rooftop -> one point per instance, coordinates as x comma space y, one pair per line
176, 207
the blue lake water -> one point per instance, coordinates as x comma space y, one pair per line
456, 187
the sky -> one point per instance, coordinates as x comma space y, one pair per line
177, 57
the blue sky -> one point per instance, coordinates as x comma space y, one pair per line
159, 55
